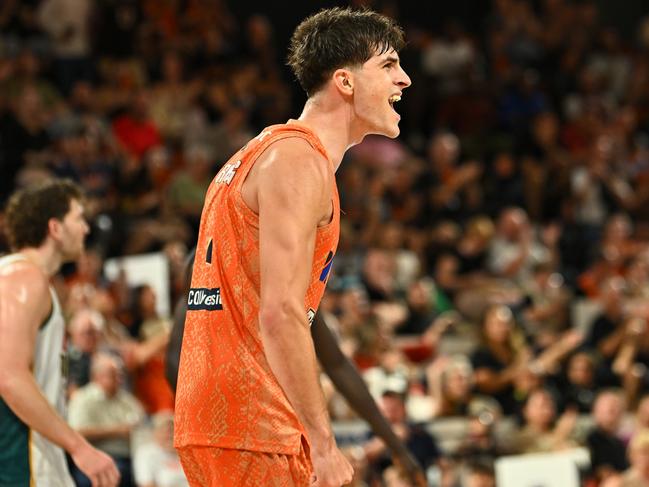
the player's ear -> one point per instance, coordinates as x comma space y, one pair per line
54, 227
344, 81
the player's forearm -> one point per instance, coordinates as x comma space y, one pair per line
22, 395
290, 354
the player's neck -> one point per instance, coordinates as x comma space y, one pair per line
45, 257
332, 124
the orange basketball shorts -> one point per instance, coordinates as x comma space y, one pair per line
207, 466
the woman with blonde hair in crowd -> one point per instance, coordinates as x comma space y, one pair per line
502, 356
638, 474
450, 384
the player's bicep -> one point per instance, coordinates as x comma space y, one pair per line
24, 304
292, 195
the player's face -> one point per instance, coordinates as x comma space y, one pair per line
73, 232
378, 84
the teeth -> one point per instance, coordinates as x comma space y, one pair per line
395, 98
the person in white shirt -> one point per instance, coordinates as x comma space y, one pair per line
156, 463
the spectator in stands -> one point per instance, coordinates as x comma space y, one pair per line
106, 415
463, 268
481, 443
68, 24
595, 187
135, 130
541, 430
452, 188
421, 443
188, 187
150, 386
637, 475
642, 414
632, 359
85, 329
607, 451
25, 138
547, 314
450, 382
504, 185
501, 357
515, 248
428, 313
156, 463
579, 384
479, 475
607, 331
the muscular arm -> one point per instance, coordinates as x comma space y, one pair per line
25, 303
294, 195
293, 191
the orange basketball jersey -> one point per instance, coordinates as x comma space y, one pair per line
227, 395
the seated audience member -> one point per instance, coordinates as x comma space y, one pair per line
607, 451
607, 331
464, 267
579, 383
642, 414
638, 474
541, 431
422, 310
106, 415
393, 478
480, 445
150, 386
479, 475
501, 358
156, 464
85, 330
515, 249
546, 316
422, 444
450, 383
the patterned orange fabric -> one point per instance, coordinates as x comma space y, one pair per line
209, 466
227, 395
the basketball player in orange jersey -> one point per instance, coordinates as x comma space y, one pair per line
249, 408
334, 363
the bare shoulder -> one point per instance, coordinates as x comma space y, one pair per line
24, 279
295, 158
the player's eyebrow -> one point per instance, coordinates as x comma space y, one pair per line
390, 59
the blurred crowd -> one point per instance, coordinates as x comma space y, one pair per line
493, 267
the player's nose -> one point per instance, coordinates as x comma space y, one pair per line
403, 80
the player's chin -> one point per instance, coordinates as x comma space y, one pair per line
73, 254
392, 132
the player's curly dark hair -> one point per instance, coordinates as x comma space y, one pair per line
336, 38
29, 211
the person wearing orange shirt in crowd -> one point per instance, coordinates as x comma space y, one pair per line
249, 408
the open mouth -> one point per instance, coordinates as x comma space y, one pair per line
394, 99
